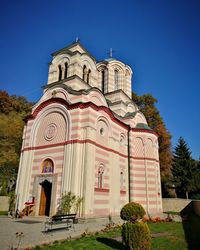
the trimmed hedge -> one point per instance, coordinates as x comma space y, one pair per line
132, 211
136, 236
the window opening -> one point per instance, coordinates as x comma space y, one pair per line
103, 81
100, 177
88, 76
84, 72
121, 179
59, 73
66, 69
116, 75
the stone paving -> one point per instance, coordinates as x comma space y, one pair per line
34, 235
33, 231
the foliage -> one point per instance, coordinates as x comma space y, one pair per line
13, 109
3, 188
132, 211
173, 240
136, 235
146, 104
12, 201
183, 169
69, 203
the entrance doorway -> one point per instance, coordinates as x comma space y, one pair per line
45, 198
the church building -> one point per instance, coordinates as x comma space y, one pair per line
87, 136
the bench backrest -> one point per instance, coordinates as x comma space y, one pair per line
63, 217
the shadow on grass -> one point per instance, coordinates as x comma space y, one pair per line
191, 226
115, 244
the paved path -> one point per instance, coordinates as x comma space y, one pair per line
32, 228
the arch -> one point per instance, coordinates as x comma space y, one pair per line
97, 98
104, 121
100, 176
138, 147
149, 148
122, 139
47, 166
103, 131
52, 108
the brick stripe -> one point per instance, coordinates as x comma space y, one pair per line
101, 202
82, 142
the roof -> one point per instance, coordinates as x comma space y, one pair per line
67, 49
143, 126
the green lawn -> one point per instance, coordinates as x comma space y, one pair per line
172, 238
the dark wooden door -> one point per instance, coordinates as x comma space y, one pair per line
45, 198
42, 202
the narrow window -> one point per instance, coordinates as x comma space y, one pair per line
59, 73
121, 179
100, 177
66, 68
103, 81
88, 76
116, 75
84, 72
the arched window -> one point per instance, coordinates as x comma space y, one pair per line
116, 79
59, 73
100, 177
66, 69
84, 73
121, 179
103, 81
47, 166
88, 76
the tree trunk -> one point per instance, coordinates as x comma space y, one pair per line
186, 195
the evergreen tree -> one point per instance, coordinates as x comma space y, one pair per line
183, 169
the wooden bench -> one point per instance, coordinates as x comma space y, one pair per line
68, 219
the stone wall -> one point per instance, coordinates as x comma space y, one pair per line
4, 203
174, 204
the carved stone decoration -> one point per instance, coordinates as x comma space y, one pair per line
50, 132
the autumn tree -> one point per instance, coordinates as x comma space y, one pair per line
12, 111
146, 104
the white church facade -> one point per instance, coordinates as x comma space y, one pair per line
87, 136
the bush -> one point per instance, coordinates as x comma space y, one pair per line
70, 203
132, 211
136, 236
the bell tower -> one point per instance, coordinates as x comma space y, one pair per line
115, 75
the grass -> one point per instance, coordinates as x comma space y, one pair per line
173, 239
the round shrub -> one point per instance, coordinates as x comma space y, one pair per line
136, 236
132, 211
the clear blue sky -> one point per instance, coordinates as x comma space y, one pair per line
159, 39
